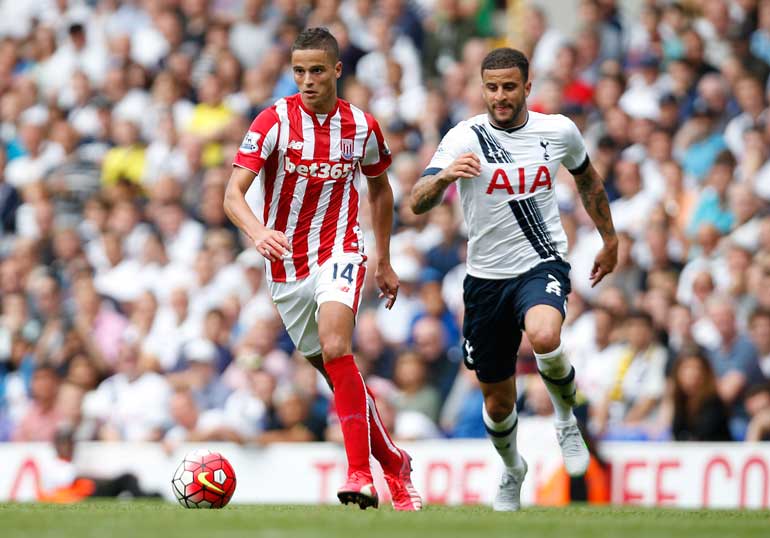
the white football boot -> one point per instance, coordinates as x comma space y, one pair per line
508, 498
573, 447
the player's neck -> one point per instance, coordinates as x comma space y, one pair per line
517, 123
325, 107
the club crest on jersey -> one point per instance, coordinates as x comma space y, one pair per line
250, 142
544, 144
346, 148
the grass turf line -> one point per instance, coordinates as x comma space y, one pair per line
109, 519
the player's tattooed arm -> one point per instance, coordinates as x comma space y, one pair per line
429, 190
594, 197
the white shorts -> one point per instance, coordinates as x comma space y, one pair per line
340, 279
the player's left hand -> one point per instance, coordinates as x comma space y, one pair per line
387, 281
605, 262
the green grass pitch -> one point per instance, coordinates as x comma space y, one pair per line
166, 520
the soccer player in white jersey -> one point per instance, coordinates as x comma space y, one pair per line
310, 150
518, 280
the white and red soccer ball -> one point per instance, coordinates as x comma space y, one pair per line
204, 479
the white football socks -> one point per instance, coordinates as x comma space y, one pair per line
503, 437
559, 378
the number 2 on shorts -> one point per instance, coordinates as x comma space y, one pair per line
347, 273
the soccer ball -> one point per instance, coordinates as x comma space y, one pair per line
204, 479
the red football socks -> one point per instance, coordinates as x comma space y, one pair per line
383, 447
350, 400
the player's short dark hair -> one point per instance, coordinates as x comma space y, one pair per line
506, 58
318, 38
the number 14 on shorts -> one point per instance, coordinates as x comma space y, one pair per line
347, 272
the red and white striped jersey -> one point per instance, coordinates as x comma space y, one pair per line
310, 166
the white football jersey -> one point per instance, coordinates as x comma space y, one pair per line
510, 209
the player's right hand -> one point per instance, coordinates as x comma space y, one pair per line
272, 245
466, 166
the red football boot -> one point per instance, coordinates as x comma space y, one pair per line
359, 489
402, 492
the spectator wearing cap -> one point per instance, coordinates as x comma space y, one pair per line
199, 373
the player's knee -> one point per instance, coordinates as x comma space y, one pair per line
333, 346
499, 409
544, 339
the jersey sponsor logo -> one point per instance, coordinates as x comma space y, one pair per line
320, 170
250, 142
544, 144
346, 148
500, 181
296, 144
554, 286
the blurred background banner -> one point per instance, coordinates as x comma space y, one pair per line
691, 475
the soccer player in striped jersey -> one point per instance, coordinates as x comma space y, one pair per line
310, 151
518, 280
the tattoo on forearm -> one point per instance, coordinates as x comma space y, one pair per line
595, 201
427, 193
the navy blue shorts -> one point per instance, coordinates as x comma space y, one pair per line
494, 315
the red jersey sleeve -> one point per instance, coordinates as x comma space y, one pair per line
377, 157
260, 141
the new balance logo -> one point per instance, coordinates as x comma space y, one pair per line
296, 144
554, 286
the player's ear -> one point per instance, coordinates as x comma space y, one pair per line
338, 69
527, 88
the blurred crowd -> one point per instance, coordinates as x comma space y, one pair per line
131, 309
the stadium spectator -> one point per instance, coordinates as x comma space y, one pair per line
118, 123
758, 409
190, 424
699, 414
415, 394
293, 421
112, 408
634, 382
199, 358
40, 421
734, 360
